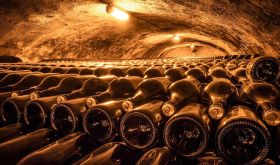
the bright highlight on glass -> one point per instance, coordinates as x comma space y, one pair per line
117, 13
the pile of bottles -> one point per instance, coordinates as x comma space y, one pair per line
142, 111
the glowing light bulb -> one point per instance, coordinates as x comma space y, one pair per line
117, 13
176, 38
192, 47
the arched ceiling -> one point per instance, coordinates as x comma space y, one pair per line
40, 29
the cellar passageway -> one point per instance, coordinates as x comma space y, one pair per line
40, 29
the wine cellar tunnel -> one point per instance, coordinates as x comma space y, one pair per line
35, 30
120, 82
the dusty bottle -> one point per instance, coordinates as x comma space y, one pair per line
119, 88
73, 70
86, 71
11, 131
67, 85
219, 72
13, 150
36, 112
136, 71
264, 68
12, 108
118, 71
182, 92
102, 121
25, 83
221, 94
64, 151
14, 78
196, 73
154, 72
174, 74
46, 83
66, 117
90, 87
7, 72
263, 96
114, 153
187, 133
101, 71
149, 89
142, 127
242, 138
159, 156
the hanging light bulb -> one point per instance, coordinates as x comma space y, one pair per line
192, 46
176, 38
117, 13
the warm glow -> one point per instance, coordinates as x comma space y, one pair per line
192, 46
117, 13
176, 38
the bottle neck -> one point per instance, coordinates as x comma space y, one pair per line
74, 95
104, 96
175, 100
270, 114
137, 99
216, 109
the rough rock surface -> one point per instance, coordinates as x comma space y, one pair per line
39, 29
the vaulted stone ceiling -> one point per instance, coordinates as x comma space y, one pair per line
40, 29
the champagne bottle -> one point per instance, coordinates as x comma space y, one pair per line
11, 131
141, 128
90, 87
118, 71
264, 68
174, 74
196, 73
12, 108
154, 72
67, 85
119, 88
242, 138
264, 96
64, 151
46, 83
14, 78
187, 133
13, 150
7, 72
86, 71
182, 92
45, 69
149, 89
60, 70
210, 158
159, 156
101, 71
277, 145
102, 121
25, 83
66, 117
219, 72
73, 70
221, 94
114, 153
137, 71
36, 112
240, 75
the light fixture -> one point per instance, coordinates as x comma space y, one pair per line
192, 46
176, 38
116, 12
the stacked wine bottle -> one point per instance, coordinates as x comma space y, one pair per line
223, 110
